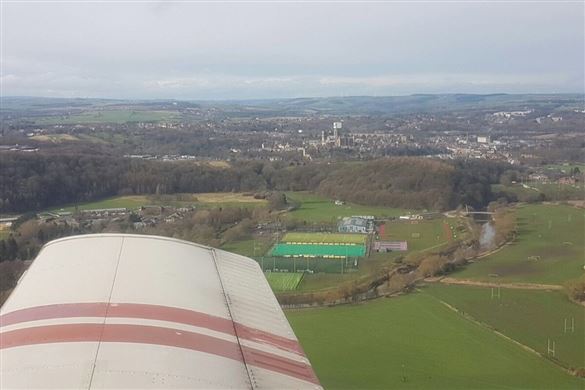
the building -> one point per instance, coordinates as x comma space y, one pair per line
390, 246
355, 225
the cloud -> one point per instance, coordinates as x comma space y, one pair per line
260, 50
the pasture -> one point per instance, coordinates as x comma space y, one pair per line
416, 342
317, 238
530, 317
219, 199
317, 209
549, 248
419, 234
109, 116
284, 281
539, 191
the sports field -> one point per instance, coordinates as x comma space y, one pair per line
414, 341
317, 250
318, 238
420, 234
284, 281
549, 249
530, 317
317, 209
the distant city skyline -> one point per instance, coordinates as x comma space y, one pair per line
260, 50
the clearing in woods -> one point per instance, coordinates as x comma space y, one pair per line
415, 342
549, 249
317, 209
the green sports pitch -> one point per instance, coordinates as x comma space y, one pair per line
321, 238
284, 281
332, 251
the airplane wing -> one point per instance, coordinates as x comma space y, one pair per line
134, 311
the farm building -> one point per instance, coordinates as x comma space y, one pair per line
356, 225
390, 246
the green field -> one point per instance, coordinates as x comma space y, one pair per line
110, 116
542, 191
220, 199
549, 248
530, 317
317, 209
284, 281
420, 234
316, 250
248, 248
325, 237
416, 342
565, 168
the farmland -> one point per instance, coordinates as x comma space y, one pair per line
220, 199
415, 342
110, 116
284, 281
549, 248
317, 209
530, 317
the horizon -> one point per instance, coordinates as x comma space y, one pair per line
292, 98
260, 50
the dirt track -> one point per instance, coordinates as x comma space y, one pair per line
521, 286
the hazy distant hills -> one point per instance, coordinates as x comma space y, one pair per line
353, 105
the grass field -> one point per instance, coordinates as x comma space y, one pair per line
548, 190
325, 237
317, 209
415, 342
219, 199
248, 248
565, 168
283, 281
528, 316
55, 138
316, 250
549, 248
419, 234
110, 116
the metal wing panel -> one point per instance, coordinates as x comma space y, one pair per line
146, 312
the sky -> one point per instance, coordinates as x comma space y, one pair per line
255, 49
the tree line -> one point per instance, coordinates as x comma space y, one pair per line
37, 181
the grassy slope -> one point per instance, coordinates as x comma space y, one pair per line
220, 199
558, 261
283, 281
367, 346
316, 209
530, 317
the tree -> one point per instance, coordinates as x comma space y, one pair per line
277, 201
